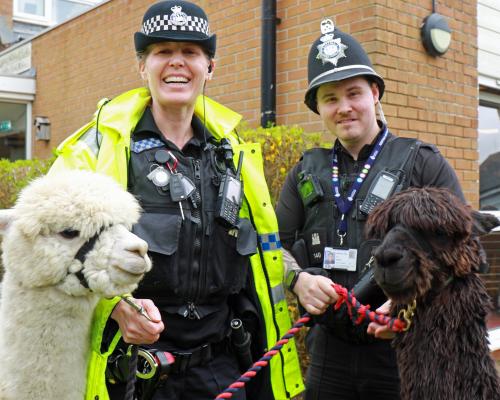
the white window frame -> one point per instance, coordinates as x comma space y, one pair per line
20, 90
488, 99
46, 19
88, 2
28, 148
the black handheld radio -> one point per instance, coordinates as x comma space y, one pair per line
384, 185
230, 196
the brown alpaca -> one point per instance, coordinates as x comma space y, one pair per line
429, 254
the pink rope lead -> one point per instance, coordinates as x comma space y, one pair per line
360, 313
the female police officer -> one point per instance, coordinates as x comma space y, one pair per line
323, 206
173, 149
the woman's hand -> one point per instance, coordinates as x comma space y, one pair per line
136, 328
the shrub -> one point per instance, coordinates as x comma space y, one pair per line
16, 175
282, 147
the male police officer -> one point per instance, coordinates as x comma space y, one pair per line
324, 204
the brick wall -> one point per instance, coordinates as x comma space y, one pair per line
434, 99
6, 10
81, 61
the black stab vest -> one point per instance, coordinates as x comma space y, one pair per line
195, 260
322, 217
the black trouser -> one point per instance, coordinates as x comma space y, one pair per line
347, 371
203, 382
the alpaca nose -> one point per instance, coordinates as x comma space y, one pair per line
138, 246
130, 242
385, 257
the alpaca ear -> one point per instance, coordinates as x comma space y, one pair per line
6, 218
483, 223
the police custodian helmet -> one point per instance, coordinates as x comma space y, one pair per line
336, 56
175, 21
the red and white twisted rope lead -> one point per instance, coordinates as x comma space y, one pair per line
358, 313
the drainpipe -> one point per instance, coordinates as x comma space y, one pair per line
268, 64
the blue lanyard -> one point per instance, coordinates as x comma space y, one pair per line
345, 205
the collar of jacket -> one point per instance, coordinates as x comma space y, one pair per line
122, 113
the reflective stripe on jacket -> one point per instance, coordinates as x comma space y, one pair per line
106, 150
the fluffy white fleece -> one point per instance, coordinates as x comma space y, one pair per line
45, 313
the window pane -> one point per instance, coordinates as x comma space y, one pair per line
489, 156
65, 9
12, 131
34, 7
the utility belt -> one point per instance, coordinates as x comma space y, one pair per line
153, 363
238, 343
155, 366
201, 355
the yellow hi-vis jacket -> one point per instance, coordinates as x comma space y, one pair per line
116, 120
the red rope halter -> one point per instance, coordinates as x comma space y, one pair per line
357, 311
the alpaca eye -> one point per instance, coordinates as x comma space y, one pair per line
69, 234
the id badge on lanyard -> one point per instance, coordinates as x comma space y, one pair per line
345, 204
340, 259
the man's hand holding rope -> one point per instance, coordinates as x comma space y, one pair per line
315, 293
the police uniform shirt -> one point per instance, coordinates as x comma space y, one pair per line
430, 169
176, 278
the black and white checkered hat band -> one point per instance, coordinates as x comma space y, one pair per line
163, 23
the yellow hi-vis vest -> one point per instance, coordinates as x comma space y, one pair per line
116, 122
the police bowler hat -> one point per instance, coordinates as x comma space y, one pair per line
175, 21
336, 56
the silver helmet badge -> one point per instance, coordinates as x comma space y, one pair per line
330, 50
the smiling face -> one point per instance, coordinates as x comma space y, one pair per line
347, 109
175, 72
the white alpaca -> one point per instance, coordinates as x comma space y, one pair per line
45, 309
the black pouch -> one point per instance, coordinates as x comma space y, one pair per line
117, 372
245, 309
117, 367
299, 252
315, 240
366, 290
162, 233
241, 342
230, 251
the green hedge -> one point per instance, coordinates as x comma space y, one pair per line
16, 175
282, 147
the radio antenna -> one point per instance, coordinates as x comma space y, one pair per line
240, 163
